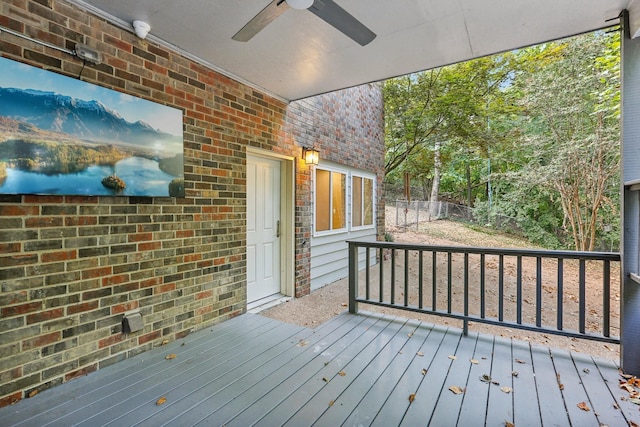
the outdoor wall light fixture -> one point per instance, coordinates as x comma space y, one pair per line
310, 156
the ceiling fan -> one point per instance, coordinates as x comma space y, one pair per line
327, 10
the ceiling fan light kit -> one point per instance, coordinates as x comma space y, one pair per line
299, 4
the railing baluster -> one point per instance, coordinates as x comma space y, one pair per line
538, 291
382, 281
465, 327
368, 271
449, 285
482, 286
582, 297
434, 280
606, 298
393, 276
519, 290
560, 292
406, 277
420, 279
501, 288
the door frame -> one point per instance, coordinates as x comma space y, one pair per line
287, 219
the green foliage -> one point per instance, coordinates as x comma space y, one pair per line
531, 134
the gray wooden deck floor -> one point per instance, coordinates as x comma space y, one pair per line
353, 370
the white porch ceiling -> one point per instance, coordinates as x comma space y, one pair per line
299, 55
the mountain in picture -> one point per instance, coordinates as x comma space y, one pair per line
86, 120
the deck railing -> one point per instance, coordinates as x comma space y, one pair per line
555, 292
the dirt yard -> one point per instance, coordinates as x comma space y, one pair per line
331, 300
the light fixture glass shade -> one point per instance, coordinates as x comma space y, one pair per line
311, 156
300, 4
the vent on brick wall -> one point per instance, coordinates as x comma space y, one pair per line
132, 322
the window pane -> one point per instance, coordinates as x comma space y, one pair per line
338, 193
323, 201
356, 196
368, 201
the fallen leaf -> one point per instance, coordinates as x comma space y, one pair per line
474, 361
325, 379
561, 386
164, 342
495, 383
170, 356
33, 393
635, 400
344, 304
506, 389
456, 389
301, 343
514, 373
585, 370
412, 397
583, 406
410, 334
508, 424
485, 378
161, 401
331, 402
520, 361
342, 373
633, 424
420, 354
452, 357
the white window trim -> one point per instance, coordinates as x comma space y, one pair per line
373, 196
345, 172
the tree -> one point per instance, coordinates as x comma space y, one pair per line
571, 134
434, 114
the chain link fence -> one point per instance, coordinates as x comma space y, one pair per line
412, 214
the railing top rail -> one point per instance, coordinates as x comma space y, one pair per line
543, 253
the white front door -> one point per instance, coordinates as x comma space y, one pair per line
263, 227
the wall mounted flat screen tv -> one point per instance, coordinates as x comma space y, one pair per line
63, 136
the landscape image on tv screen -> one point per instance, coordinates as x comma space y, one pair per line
63, 136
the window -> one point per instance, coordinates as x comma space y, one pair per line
330, 203
361, 201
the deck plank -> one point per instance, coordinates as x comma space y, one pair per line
362, 414
611, 374
209, 407
322, 392
208, 378
344, 393
433, 382
500, 403
552, 406
572, 389
474, 403
288, 393
90, 390
525, 393
395, 407
602, 402
449, 404
192, 373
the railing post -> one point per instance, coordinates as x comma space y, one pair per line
353, 277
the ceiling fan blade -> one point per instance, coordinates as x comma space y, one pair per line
340, 19
261, 20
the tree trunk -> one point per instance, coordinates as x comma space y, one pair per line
435, 187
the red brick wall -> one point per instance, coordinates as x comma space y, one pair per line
70, 266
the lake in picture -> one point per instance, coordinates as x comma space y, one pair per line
142, 177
